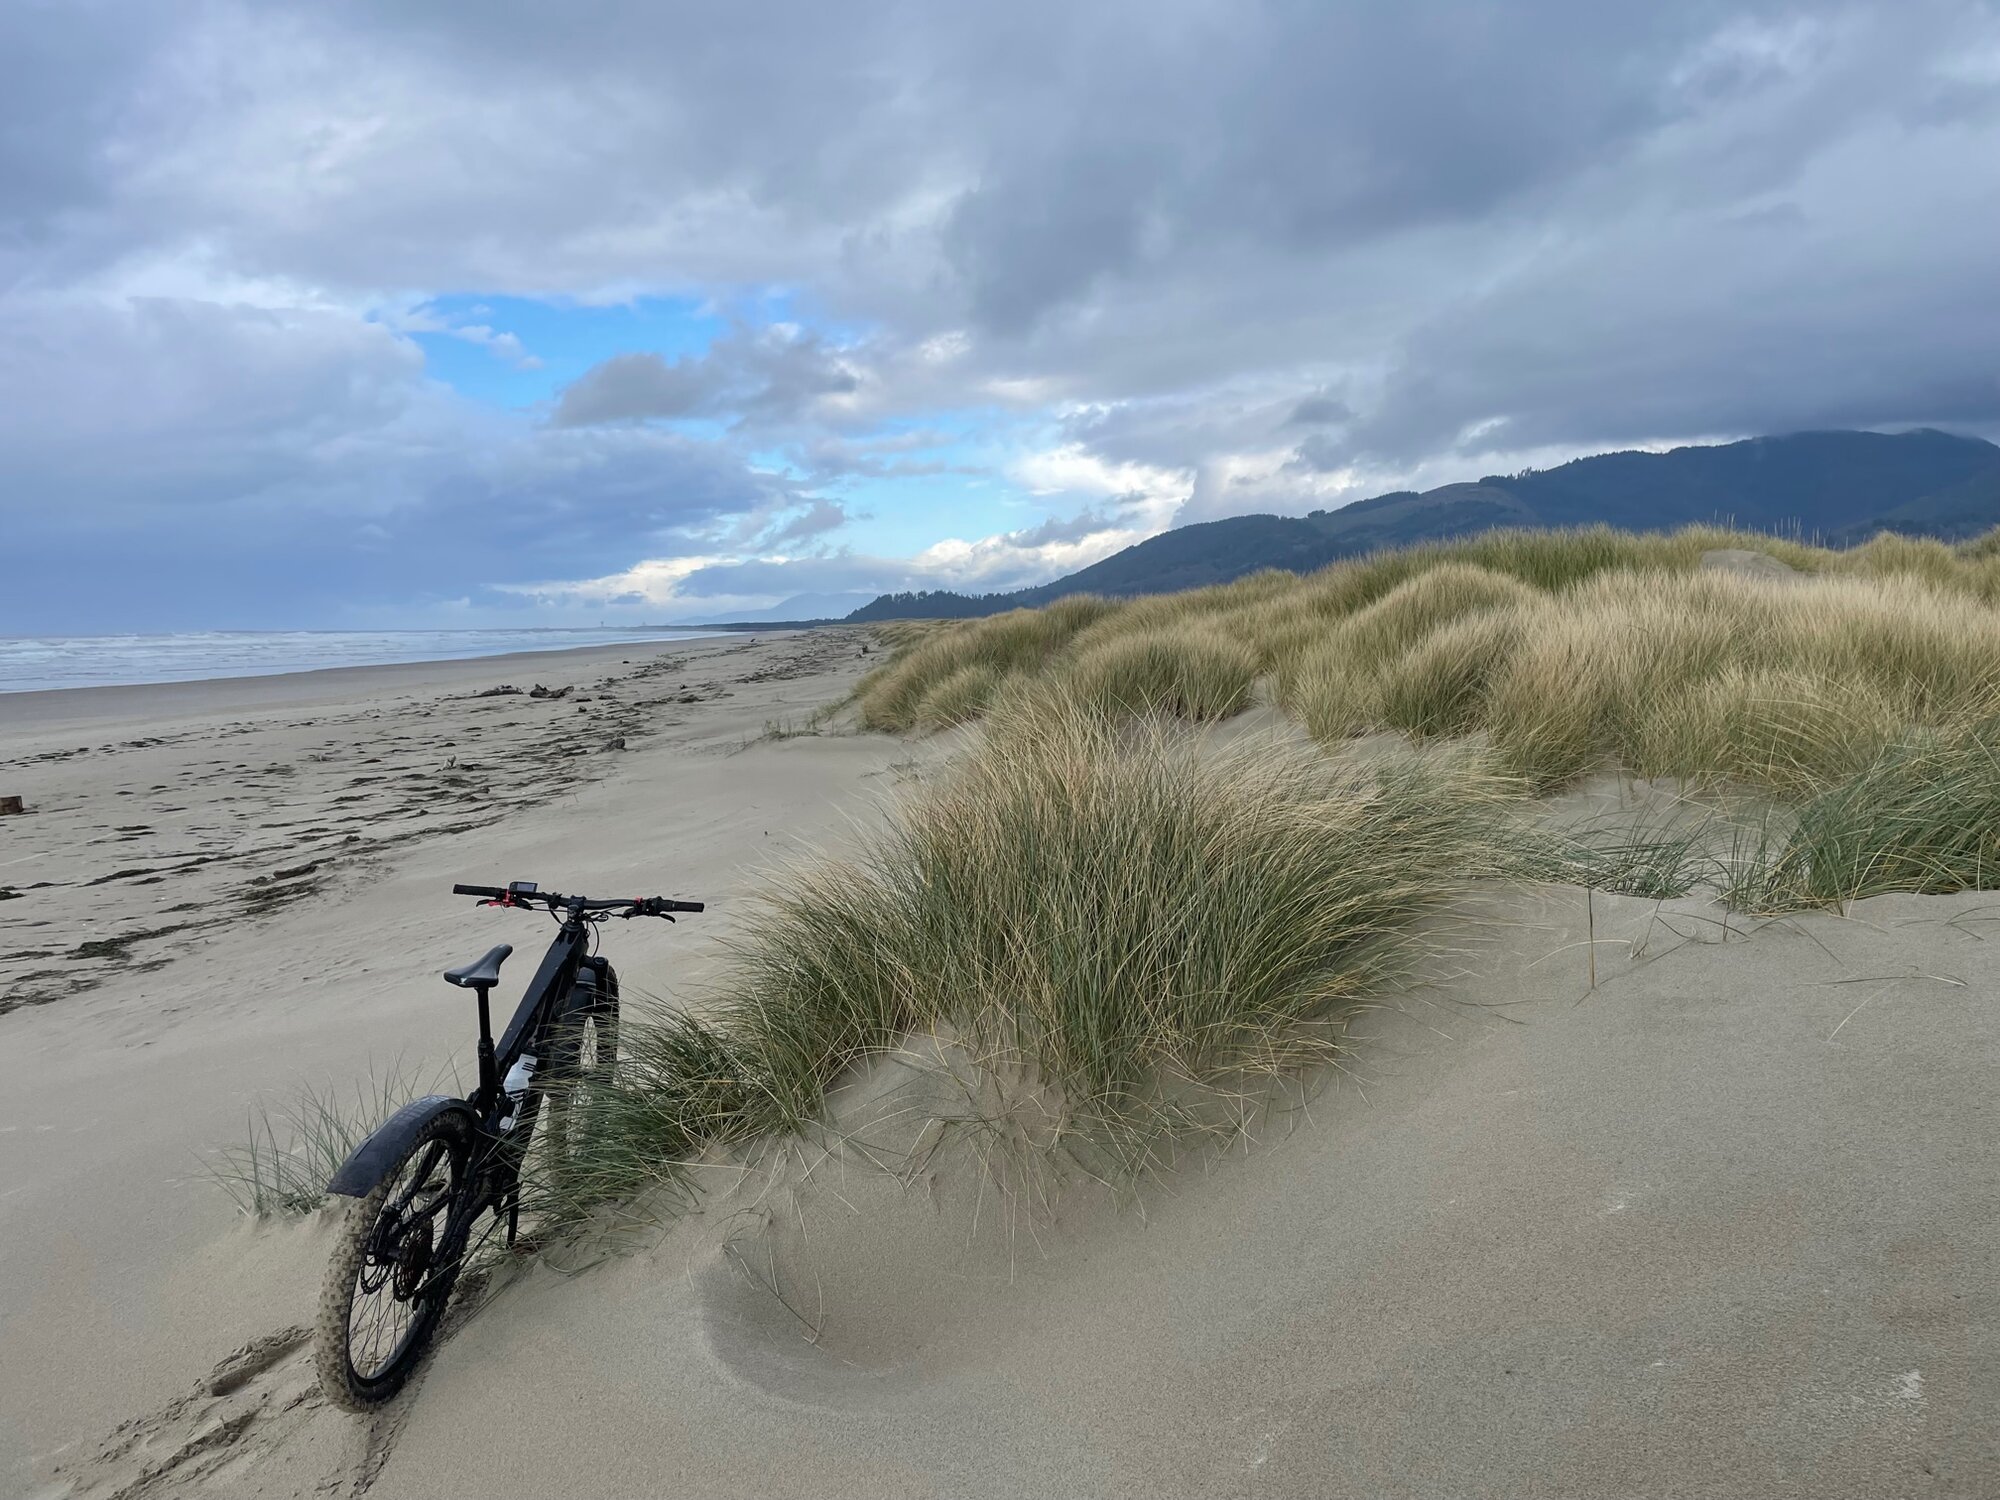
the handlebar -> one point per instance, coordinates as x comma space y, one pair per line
631, 906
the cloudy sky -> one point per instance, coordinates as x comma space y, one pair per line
401, 312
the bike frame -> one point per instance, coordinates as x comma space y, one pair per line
483, 1114
550, 986
498, 1148
414, 1242
496, 1129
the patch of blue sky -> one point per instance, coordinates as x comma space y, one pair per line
953, 481
902, 515
558, 340
946, 469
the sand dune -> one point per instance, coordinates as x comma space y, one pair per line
1720, 1226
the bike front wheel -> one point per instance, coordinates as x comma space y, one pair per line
393, 1270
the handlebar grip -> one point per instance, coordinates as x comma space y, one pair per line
682, 905
490, 892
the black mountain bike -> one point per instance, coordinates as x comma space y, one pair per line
431, 1169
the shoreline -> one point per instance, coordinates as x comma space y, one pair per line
169, 806
35, 707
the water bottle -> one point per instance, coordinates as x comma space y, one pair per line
519, 1078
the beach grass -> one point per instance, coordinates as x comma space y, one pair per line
1658, 855
953, 699
1104, 897
923, 659
1108, 901
1566, 651
1109, 906
1714, 678
1922, 816
291, 1149
1190, 672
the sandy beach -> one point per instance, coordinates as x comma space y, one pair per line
1721, 1225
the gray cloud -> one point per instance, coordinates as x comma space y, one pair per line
1084, 523
157, 401
630, 386
1292, 252
1318, 411
768, 375
178, 462
818, 518
831, 458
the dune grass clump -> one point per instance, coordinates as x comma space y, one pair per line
1020, 641
1782, 729
1714, 677
1412, 610
954, 699
1109, 902
1187, 673
1887, 554
1982, 548
1338, 683
1105, 905
1330, 693
1923, 816
1437, 689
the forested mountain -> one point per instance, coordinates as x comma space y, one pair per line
1832, 487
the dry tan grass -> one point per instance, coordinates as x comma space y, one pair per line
1187, 671
954, 699
1020, 641
1333, 679
1438, 688
1571, 650
1715, 676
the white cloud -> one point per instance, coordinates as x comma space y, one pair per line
1074, 469
655, 582
1578, 225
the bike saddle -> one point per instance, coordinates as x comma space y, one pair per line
480, 972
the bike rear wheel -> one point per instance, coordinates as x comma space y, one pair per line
393, 1270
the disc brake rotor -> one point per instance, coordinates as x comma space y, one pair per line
413, 1259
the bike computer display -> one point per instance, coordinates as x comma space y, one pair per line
522, 887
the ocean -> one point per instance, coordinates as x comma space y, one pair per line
33, 663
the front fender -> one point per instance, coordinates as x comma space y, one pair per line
375, 1158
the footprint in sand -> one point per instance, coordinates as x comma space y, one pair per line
251, 1400
233, 1434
